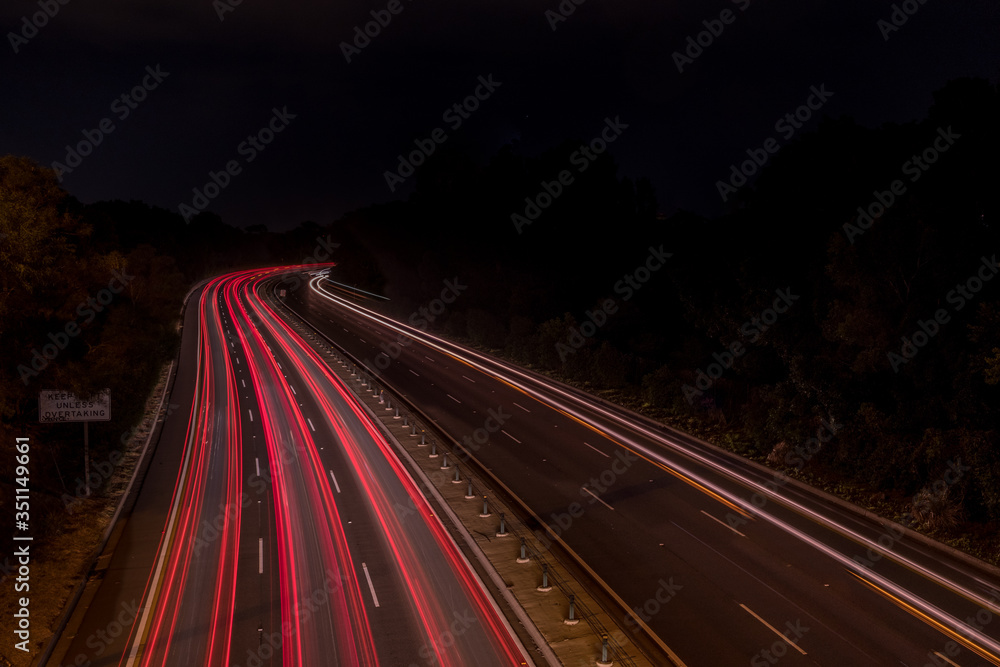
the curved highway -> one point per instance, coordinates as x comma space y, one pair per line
721, 560
280, 541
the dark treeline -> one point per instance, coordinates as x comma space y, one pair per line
538, 282
854, 288
90, 298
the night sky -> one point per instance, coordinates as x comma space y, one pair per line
221, 79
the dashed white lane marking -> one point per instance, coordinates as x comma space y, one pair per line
598, 499
596, 450
371, 586
772, 628
722, 522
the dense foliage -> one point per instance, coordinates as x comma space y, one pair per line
90, 298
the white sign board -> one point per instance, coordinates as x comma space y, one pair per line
62, 406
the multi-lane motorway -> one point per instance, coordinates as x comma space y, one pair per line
721, 560
267, 531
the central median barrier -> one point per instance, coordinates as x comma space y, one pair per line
551, 597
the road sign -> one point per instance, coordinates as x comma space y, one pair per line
62, 406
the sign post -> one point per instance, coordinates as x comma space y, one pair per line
62, 406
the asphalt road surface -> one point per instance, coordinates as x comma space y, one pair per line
269, 528
721, 560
